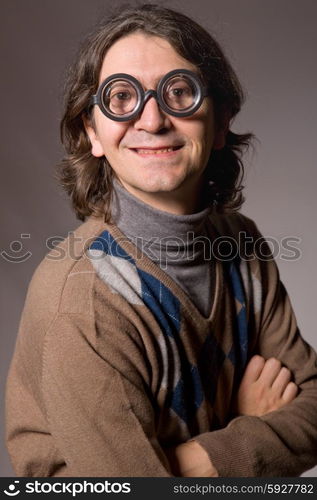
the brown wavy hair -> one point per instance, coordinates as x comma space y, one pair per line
87, 179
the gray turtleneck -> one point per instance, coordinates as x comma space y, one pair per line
178, 244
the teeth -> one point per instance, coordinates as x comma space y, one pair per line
154, 151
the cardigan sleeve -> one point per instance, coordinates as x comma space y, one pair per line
282, 442
99, 417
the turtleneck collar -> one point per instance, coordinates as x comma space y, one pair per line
137, 219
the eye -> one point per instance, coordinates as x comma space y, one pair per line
179, 90
120, 96
179, 93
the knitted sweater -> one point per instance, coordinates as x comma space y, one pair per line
114, 362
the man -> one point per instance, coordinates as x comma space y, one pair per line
153, 348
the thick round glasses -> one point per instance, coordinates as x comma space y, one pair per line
121, 97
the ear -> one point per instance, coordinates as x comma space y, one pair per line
221, 132
96, 146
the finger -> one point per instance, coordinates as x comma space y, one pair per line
270, 371
280, 383
253, 369
290, 392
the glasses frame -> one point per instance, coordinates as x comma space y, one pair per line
144, 95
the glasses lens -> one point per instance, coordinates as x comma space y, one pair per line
180, 93
120, 97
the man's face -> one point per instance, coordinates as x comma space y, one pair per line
136, 149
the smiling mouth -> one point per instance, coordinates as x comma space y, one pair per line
156, 151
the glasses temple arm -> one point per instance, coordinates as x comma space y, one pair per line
93, 100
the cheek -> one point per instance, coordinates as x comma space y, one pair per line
201, 135
208, 125
110, 133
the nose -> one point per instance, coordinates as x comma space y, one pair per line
152, 119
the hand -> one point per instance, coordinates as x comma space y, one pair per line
265, 387
190, 460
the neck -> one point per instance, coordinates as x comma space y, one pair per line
184, 201
136, 218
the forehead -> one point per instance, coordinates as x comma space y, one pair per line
143, 56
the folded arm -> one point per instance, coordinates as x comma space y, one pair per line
281, 442
265, 386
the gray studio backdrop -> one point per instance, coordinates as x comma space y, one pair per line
272, 45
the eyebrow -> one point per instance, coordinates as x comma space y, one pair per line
156, 81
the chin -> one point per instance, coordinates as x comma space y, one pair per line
167, 181
163, 184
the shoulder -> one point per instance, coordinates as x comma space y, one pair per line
60, 296
63, 280
237, 240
